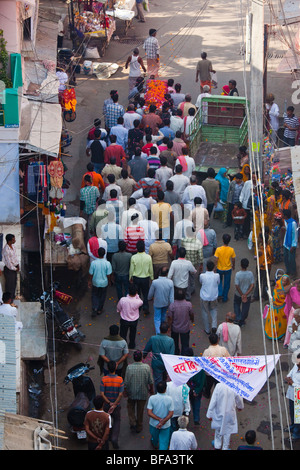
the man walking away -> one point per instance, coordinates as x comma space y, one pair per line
138, 385
128, 307
111, 390
209, 281
244, 285
203, 71
151, 48
222, 414
183, 439
99, 279
159, 344
160, 411
97, 424
162, 291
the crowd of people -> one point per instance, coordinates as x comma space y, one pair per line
149, 234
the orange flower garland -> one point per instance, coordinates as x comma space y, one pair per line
155, 93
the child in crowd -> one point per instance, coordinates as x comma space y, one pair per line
238, 216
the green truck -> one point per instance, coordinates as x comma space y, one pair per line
217, 131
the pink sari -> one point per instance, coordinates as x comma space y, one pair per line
292, 296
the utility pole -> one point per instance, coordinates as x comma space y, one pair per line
257, 81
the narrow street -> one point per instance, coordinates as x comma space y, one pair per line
185, 29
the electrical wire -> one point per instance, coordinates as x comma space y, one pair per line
255, 167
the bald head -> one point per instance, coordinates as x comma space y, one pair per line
230, 317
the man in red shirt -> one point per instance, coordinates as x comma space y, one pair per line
114, 150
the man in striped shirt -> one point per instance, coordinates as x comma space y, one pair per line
133, 234
111, 390
291, 126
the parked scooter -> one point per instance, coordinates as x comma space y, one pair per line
51, 305
84, 392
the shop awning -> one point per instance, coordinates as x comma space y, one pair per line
40, 127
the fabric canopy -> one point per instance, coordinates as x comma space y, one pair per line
41, 126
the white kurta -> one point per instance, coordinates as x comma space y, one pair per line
222, 409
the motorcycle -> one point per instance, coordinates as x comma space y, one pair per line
84, 392
51, 305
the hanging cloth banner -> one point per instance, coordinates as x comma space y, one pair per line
246, 375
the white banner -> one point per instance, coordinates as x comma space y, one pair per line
246, 375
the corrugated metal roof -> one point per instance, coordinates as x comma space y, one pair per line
8, 370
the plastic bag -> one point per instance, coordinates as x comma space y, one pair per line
146, 5
250, 242
219, 207
214, 80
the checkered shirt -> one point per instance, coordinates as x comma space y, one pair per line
194, 252
89, 194
151, 47
113, 112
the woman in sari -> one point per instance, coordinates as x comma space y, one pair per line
276, 318
292, 304
246, 172
273, 204
224, 187
277, 234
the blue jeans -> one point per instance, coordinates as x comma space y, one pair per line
122, 283
160, 437
224, 286
241, 309
159, 317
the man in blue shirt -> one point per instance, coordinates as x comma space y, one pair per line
162, 291
166, 130
120, 132
161, 343
290, 243
160, 411
99, 278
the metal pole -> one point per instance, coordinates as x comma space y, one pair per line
256, 80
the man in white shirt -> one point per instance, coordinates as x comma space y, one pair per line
181, 226
180, 270
164, 173
130, 116
112, 185
176, 121
127, 214
272, 111
209, 281
180, 181
293, 380
183, 439
244, 199
230, 335
11, 264
204, 107
187, 162
192, 191
150, 229
222, 414
7, 308
181, 401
